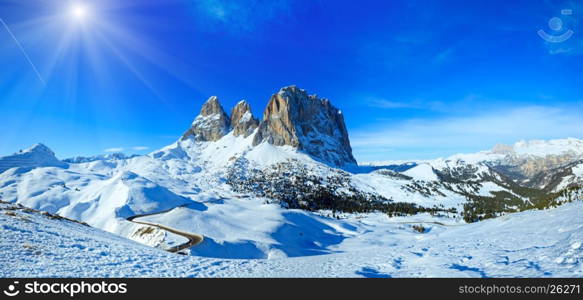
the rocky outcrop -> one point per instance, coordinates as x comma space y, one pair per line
527, 167
292, 118
242, 119
502, 149
211, 124
308, 123
526, 160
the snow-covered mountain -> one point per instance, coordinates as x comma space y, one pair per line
238, 181
36, 156
535, 164
542, 148
109, 156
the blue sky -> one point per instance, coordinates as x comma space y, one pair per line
415, 79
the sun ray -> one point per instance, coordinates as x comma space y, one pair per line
126, 61
24, 53
178, 69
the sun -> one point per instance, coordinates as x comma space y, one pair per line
79, 12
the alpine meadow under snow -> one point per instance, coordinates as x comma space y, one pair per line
284, 197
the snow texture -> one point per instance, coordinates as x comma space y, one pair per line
528, 244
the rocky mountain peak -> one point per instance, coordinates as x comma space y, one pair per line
211, 124
212, 106
502, 149
242, 120
292, 118
308, 123
529, 161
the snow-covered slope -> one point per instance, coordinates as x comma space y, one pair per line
217, 155
105, 192
422, 172
187, 179
528, 244
41, 245
99, 200
570, 176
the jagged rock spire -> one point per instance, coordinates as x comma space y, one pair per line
211, 124
242, 119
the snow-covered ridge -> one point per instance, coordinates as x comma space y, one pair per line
38, 155
558, 150
524, 149
550, 147
86, 159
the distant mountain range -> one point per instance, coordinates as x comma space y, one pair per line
297, 155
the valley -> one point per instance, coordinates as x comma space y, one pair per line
284, 196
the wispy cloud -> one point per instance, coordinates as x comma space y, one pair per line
114, 149
121, 149
384, 103
412, 104
444, 56
243, 15
439, 137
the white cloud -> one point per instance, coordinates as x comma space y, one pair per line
420, 138
115, 149
140, 148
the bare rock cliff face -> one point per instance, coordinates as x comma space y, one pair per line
308, 123
292, 118
211, 124
242, 120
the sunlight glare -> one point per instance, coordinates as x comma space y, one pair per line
79, 12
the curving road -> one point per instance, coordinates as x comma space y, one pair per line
193, 238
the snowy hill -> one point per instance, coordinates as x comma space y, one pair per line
101, 201
543, 244
38, 155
